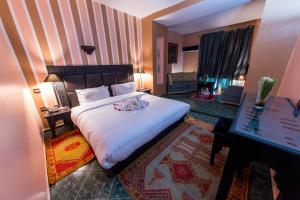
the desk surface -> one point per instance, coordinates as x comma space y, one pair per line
276, 125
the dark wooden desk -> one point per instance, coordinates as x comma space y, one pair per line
271, 137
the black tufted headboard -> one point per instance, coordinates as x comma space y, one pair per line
87, 76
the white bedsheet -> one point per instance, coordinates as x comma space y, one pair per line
114, 135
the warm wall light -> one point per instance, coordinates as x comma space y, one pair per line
36, 90
88, 49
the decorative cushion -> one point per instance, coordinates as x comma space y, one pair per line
92, 94
124, 88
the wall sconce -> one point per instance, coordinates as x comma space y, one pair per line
36, 90
88, 49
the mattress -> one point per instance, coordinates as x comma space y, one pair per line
115, 135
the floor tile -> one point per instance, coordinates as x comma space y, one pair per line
96, 186
96, 165
68, 187
118, 191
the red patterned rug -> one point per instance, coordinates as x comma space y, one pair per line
65, 154
177, 167
204, 97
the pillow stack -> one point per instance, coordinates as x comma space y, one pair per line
92, 94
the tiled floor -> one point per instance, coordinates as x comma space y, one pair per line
90, 182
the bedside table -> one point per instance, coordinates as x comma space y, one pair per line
52, 118
144, 90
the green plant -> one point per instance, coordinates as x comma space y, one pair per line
265, 87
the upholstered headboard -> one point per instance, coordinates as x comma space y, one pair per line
87, 76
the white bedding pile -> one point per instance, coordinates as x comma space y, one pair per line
115, 135
133, 104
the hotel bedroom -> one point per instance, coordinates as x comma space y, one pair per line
137, 99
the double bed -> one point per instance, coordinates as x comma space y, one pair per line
115, 136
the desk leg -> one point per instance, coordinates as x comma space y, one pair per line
227, 176
216, 148
287, 179
236, 160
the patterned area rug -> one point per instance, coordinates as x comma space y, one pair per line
204, 97
65, 154
177, 167
211, 108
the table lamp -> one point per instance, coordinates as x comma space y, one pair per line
241, 80
141, 71
54, 78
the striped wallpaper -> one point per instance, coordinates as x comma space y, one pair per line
45, 32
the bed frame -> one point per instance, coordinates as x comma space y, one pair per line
88, 76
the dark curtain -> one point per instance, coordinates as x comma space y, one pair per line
224, 55
209, 53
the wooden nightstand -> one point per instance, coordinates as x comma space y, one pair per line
52, 118
144, 90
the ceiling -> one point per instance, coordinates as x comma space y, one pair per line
212, 16
204, 15
198, 10
139, 8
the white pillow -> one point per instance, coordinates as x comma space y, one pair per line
124, 88
92, 94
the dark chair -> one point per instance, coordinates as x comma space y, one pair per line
205, 82
221, 137
208, 85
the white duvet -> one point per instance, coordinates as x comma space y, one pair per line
114, 135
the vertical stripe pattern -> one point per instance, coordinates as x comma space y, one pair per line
132, 40
19, 50
37, 24
117, 29
50, 32
136, 41
86, 28
61, 31
94, 30
107, 33
127, 38
123, 37
79, 32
